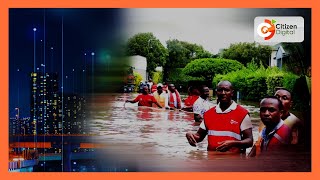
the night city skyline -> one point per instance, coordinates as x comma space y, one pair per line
36, 35
55, 56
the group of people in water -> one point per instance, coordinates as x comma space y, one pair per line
228, 125
162, 96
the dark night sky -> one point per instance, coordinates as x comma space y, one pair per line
84, 31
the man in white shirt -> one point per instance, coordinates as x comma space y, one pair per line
150, 83
202, 104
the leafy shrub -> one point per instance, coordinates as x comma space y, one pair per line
256, 82
157, 77
273, 81
207, 68
137, 80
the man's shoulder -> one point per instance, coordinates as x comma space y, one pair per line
147, 95
293, 117
284, 131
163, 95
198, 101
291, 120
241, 108
211, 110
285, 127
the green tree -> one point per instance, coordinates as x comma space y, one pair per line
177, 76
147, 45
181, 53
208, 67
296, 61
246, 52
255, 82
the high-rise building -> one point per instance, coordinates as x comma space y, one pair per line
44, 104
74, 114
52, 114
12, 125
18, 125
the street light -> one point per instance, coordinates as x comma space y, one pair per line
66, 86
84, 81
51, 61
85, 71
18, 127
34, 84
92, 68
18, 118
18, 70
34, 49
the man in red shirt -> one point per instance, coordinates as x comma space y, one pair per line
228, 125
193, 95
276, 134
145, 99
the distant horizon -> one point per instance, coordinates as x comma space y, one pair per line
212, 28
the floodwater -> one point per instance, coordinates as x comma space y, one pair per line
152, 139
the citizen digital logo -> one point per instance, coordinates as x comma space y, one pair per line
286, 29
279, 29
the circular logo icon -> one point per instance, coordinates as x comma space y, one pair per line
266, 29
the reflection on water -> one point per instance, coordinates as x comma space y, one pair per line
152, 139
150, 129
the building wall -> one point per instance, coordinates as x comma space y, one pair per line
273, 61
139, 63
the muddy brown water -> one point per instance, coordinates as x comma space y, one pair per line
153, 139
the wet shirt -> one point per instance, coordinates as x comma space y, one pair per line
162, 99
200, 106
190, 100
291, 120
145, 100
246, 123
175, 99
283, 138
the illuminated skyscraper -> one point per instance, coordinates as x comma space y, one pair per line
47, 116
74, 118
45, 103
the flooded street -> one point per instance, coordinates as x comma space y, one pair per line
153, 139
